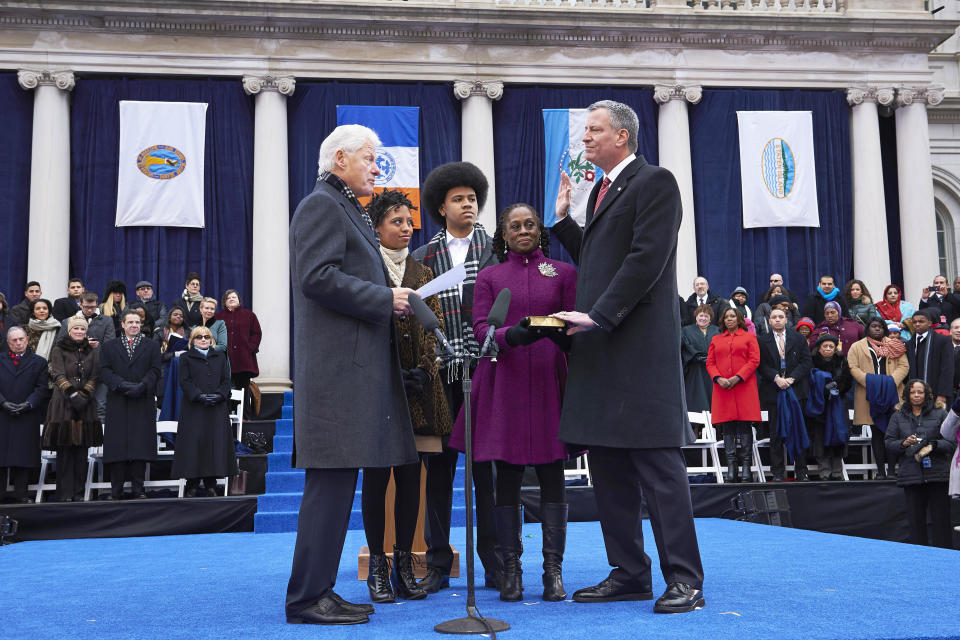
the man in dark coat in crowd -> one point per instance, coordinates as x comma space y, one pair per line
353, 413
130, 367
776, 373
632, 418
67, 306
23, 390
938, 302
703, 295
155, 309
931, 357
825, 292
20, 313
453, 195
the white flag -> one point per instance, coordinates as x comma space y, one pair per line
777, 169
160, 182
563, 132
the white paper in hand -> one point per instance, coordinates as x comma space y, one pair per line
445, 280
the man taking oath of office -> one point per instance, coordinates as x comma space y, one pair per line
624, 397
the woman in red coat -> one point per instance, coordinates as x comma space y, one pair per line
732, 359
243, 342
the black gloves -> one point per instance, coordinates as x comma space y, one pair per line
78, 400
519, 335
10, 407
561, 339
125, 386
701, 357
414, 381
135, 389
832, 388
211, 399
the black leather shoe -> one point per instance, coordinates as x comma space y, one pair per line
434, 580
679, 598
611, 590
353, 607
803, 476
327, 611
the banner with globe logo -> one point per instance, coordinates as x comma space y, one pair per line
399, 156
777, 169
562, 133
160, 177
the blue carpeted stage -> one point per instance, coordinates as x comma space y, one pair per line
762, 582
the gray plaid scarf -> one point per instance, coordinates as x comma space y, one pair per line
131, 347
457, 313
334, 180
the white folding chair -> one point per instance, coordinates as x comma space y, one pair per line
581, 470
867, 465
707, 445
236, 420
46, 457
95, 460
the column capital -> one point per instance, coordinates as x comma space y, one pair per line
929, 95
880, 95
464, 89
285, 85
31, 79
663, 93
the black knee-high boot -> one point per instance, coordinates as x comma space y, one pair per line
730, 448
554, 528
509, 519
745, 454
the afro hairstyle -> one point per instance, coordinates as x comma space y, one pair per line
446, 177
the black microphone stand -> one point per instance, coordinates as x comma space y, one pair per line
474, 622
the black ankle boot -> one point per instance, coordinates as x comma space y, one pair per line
404, 584
554, 528
509, 520
745, 457
730, 449
378, 579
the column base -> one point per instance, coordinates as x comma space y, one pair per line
273, 385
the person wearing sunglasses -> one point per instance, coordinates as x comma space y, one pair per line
204, 440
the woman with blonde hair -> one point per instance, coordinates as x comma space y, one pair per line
114, 302
208, 309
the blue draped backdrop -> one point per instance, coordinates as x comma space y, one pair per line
891, 194
16, 137
729, 255
220, 252
518, 140
312, 115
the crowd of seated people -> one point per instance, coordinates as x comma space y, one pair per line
84, 372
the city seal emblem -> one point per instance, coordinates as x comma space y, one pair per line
778, 167
388, 167
161, 162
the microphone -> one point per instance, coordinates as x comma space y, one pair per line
496, 318
429, 322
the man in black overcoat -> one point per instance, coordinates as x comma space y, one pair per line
67, 306
23, 391
351, 409
931, 357
625, 396
130, 368
775, 373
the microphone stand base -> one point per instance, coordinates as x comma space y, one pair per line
471, 625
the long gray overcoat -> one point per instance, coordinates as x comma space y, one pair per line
350, 409
625, 383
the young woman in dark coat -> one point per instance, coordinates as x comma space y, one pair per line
205, 448
827, 358
913, 435
243, 341
72, 424
23, 391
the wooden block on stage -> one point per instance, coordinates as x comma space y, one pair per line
419, 565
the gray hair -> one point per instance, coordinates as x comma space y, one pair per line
347, 137
621, 117
16, 327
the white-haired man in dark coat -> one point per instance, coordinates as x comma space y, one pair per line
351, 409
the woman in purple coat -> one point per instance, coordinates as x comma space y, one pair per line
516, 401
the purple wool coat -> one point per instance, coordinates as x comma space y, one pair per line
516, 401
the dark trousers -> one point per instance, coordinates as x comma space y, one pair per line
932, 497
441, 468
208, 484
71, 472
405, 507
120, 472
621, 478
777, 457
19, 478
885, 461
321, 529
510, 481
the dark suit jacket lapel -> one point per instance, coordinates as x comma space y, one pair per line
616, 187
7, 364
352, 214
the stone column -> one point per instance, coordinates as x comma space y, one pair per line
674, 148
48, 243
271, 226
477, 136
918, 226
871, 258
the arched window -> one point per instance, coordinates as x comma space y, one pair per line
946, 251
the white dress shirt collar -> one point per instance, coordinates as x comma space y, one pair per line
458, 248
620, 167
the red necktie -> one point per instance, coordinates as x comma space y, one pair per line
131, 342
604, 187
